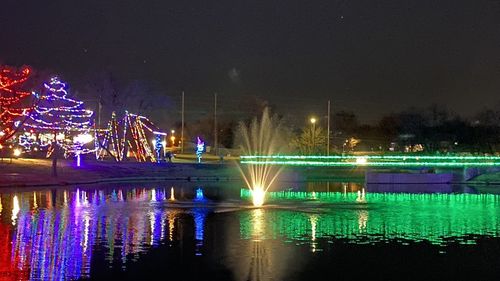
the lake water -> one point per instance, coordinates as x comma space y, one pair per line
209, 231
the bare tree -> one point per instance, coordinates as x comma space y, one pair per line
311, 140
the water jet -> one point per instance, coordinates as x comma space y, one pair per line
261, 137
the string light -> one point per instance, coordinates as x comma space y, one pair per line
372, 160
63, 118
370, 163
14, 106
371, 157
56, 112
200, 148
133, 139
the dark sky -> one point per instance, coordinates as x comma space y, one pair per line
372, 57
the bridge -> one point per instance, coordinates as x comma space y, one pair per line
410, 168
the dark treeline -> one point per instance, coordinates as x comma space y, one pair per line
428, 130
432, 129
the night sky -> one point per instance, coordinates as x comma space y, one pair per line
371, 57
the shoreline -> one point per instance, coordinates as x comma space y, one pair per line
37, 172
118, 180
23, 172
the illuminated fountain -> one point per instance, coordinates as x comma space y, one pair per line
261, 137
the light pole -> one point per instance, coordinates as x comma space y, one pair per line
328, 131
99, 108
313, 124
182, 124
215, 124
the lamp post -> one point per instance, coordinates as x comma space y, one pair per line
313, 124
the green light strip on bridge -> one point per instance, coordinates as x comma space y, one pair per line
370, 164
369, 157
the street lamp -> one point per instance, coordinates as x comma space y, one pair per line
313, 123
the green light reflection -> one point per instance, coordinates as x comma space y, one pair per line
437, 218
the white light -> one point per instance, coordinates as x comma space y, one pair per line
164, 143
258, 195
60, 136
361, 160
15, 209
173, 131
17, 152
154, 142
83, 138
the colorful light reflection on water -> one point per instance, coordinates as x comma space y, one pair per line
54, 234
370, 217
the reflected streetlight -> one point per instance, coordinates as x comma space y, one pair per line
172, 138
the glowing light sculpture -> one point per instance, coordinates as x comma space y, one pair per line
158, 147
199, 195
200, 147
130, 134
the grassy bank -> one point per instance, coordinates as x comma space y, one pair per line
490, 178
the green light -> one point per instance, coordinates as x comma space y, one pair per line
372, 160
393, 157
370, 163
437, 218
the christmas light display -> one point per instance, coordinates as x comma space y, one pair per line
129, 135
58, 118
158, 147
199, 195
200, 147
15, 104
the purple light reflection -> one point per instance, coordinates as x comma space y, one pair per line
56, 231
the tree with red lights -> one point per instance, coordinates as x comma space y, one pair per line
15, 102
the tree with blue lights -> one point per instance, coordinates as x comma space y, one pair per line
64, 117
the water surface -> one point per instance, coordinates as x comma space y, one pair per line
209, 231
